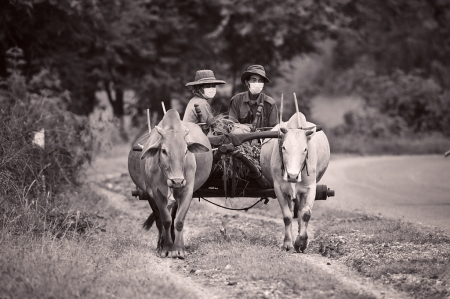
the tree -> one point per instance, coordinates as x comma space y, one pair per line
394, 54
269, 32
398, 34
155, 47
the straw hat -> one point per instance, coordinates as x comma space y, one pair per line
254, 69
205, 77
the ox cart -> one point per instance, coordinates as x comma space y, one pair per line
250, 184
183, 160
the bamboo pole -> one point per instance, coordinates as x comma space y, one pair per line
164, 107
148, 121
296, 109
281, 109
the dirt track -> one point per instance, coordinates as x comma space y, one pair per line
111, 177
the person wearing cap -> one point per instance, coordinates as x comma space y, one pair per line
244, 106
204, 90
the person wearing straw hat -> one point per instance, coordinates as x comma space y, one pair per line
244, 106
204, 90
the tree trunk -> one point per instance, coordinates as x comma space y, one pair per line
117, 103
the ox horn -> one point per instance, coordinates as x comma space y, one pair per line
148, 121
164, 107
296, 110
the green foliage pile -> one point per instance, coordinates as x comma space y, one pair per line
32, 177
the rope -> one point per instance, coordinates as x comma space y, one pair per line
266, 200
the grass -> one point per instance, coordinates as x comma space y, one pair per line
418, 145
412, 258
103, 262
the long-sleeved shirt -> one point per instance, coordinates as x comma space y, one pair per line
191, 116
242, 111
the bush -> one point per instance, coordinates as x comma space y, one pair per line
406, 100
32, 176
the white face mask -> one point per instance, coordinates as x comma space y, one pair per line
256, 88
209, 92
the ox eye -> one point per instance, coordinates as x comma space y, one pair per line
283, 148
164, 151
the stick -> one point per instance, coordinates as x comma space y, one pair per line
164, 107
148, 121
296, 109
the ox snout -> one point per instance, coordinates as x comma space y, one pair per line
292, 177
176, 183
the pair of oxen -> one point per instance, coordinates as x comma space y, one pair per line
177, 157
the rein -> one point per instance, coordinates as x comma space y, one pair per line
266, 201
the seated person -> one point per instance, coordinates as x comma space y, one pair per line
204, 90
243, 106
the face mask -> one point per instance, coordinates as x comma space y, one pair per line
256, 88
209, 92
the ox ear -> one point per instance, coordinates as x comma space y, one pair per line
310, 133
195, 147
151, 151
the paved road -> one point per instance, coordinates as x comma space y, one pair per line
415, 188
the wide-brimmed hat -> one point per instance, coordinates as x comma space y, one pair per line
254, 69
205, 77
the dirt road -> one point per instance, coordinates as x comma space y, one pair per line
205, 277
413, 188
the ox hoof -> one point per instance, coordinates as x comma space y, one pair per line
165, 252
301, 244
177, 253
287, 246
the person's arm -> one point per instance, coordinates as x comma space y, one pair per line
273, 116
205, 109
233, 111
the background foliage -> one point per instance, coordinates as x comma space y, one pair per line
33, 178
393, 55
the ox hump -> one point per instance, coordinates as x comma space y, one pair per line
172, 121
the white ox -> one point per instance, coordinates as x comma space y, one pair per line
295, 164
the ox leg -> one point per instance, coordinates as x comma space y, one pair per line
286, 206
305, 210
156, 214
166, 220
184, 199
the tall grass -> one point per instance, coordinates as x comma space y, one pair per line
113, 264
36, 177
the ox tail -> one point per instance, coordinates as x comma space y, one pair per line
147, 225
